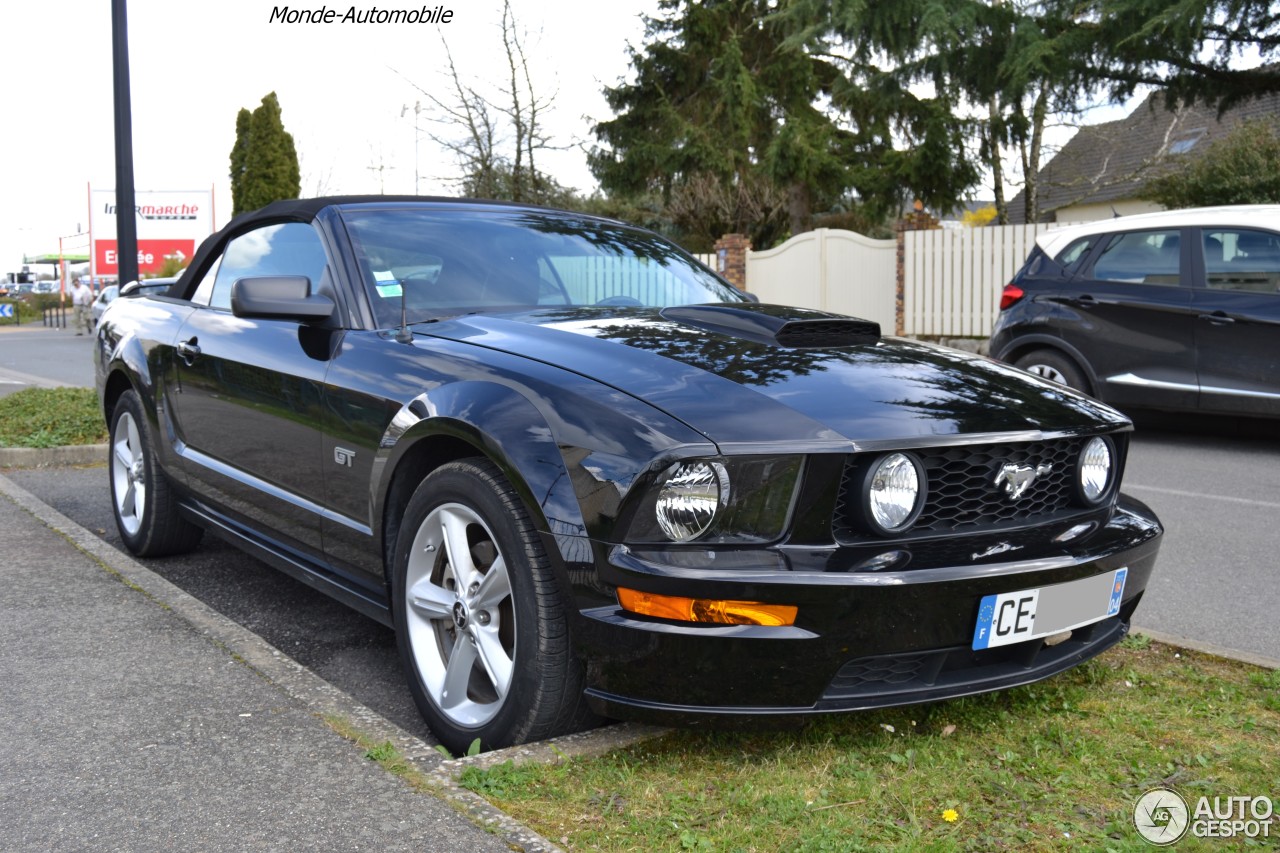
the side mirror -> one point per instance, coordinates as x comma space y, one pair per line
280, 297
748, 295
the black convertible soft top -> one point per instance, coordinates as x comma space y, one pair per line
297, 210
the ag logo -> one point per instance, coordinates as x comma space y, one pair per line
1161, 816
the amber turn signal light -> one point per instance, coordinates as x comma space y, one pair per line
707, 610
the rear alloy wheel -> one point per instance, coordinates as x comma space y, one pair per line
480, 622
1048, 364
145, 508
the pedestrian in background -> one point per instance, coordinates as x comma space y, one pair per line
81, 300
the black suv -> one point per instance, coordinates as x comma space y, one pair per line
1177, 310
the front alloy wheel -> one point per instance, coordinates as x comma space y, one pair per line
460, 618
481, 621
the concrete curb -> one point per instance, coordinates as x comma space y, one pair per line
72, 454
301, 684
1207, 648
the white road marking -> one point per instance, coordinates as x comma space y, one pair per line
1181, 493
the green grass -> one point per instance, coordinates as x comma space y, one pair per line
51, 417
1057, 765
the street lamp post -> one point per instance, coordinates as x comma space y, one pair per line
417, 133
126, 210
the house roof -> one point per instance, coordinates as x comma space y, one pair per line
1111, 161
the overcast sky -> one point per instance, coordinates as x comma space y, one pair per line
342, 88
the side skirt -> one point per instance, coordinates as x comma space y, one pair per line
316, 575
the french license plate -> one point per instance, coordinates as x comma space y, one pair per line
1012, 617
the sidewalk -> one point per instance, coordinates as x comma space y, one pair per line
137, 719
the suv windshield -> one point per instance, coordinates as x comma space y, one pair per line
449, 262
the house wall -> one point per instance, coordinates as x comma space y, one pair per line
1105, 210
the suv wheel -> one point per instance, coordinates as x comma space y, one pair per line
1055, 367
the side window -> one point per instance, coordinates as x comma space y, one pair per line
290, 248
1071, 257
1241, 259
1141, 257
204, 290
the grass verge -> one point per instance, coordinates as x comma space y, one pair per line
51, 417
1056, 765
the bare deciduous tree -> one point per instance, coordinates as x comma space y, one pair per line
495, 141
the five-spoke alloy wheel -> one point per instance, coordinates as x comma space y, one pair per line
146, 509
480, 619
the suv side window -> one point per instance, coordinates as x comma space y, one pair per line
290, 248
1141, 257
1071, 257
1242, 259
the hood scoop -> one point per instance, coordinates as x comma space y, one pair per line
778, 325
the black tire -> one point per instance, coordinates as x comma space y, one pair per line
142, 498
1056, 367
486, 657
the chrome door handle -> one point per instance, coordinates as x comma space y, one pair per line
1217, 318
189, 351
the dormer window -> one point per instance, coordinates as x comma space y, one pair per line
1184, 143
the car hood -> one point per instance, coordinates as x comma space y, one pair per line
734, 384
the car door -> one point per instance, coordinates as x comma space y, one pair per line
1129, 314
248, 408
1237, 334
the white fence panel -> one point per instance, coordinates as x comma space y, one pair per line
953, 277
831, 270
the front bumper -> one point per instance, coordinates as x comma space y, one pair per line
862, 639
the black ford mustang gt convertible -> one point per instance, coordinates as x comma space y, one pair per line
582, 476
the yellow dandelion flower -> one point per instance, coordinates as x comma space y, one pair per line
951, 815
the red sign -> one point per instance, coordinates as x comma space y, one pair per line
151, 254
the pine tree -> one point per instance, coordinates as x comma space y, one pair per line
264, 162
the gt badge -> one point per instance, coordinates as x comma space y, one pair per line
342, 456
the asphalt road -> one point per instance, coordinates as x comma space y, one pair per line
36, 356
348, 650
1218, 495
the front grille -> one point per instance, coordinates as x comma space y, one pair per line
963, 496
940, 673
870, 674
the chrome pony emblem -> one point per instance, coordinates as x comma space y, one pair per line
1018, 478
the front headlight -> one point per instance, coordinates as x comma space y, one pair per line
693, 501
894, 493
689, 499
1097, 462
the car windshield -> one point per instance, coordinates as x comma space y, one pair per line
449, 262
